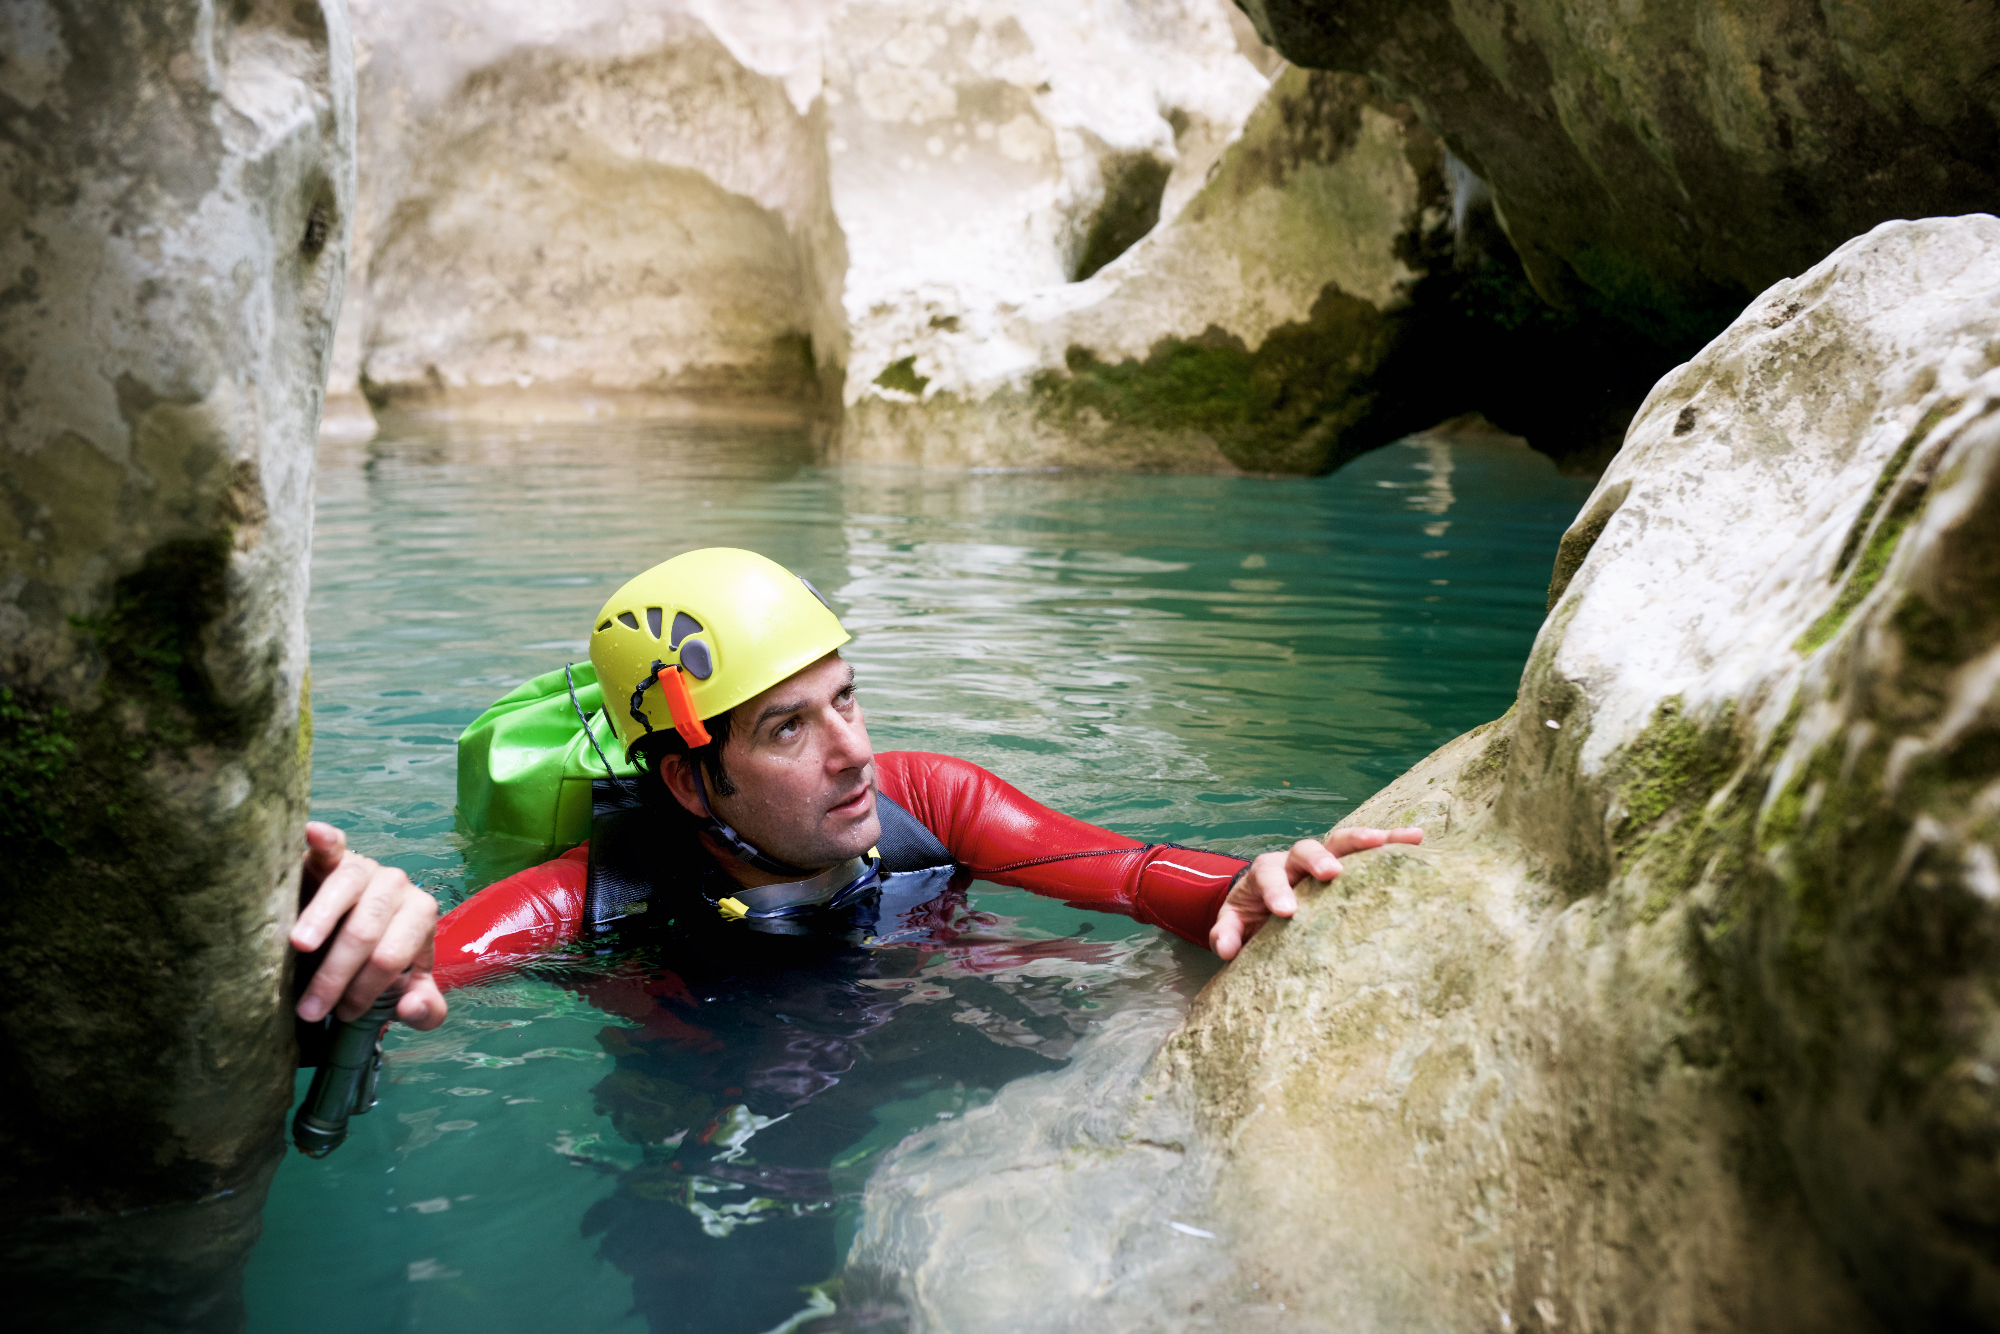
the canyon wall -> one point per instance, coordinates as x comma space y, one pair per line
173, 219
1665, 161
1682, 1017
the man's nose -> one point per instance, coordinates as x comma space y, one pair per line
847, 744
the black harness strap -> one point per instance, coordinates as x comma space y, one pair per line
635, 855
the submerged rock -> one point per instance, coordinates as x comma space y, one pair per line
176, 201
1682, 1017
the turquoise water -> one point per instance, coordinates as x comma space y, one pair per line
1230, 662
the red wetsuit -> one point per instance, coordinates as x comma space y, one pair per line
991, 829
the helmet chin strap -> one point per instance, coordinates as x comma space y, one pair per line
738, 844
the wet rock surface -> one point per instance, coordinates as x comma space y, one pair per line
1682, 1016
1662, 163
176, 197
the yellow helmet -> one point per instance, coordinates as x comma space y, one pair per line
699, 634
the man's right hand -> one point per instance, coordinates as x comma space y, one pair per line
1267, 886
385, 927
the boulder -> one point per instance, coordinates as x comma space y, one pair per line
1662, 163
1682, 1016
173, 219
586, 208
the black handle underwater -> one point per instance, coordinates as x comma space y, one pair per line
344, 1086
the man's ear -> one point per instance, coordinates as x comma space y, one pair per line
677, 772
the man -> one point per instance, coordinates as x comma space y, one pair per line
762, 810
760, 802
799, 900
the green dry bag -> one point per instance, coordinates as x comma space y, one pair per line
526, 764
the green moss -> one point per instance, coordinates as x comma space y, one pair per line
73, 779
1880, 545
1673, 764
1666, 779
151, 640
1887, 478
1282, 408
903, 375
304, 740
1484, 769
35, 754
1867, 572
1582, 536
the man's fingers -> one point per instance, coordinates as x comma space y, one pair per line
336, 894
423, 1005
1310, 857
1226, 936
1343, 841
404, 942
325, 846
373, 908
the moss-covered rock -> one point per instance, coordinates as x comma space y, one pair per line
1683, 1016
1661, 163
1333, 285
172, 256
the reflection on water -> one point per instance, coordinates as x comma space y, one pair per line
1230, 662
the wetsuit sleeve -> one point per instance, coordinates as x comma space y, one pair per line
997, 833
513, 921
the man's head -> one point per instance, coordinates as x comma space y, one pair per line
794, 775
727, 656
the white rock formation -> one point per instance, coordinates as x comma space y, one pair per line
960, 361
590, 198
1683, 1017
561, 205
976, 143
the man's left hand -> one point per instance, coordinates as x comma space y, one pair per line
1266, 889
382, 927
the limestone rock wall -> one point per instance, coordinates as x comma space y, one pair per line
1663, 162
1278, 274
591, 200
174, 207
988, 159
1682, 1017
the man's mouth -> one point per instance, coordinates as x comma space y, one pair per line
856, 805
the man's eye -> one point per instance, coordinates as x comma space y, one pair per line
787, 728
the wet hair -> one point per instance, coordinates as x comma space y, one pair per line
651, 749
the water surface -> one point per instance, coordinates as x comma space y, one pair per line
1229, 662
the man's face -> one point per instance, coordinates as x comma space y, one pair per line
803, 769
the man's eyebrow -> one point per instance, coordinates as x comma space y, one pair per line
777, 710
784, 707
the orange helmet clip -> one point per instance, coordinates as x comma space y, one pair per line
680, 704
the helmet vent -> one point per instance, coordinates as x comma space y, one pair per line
606, 625
695, 660
628, 620
684, 625
653, 615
